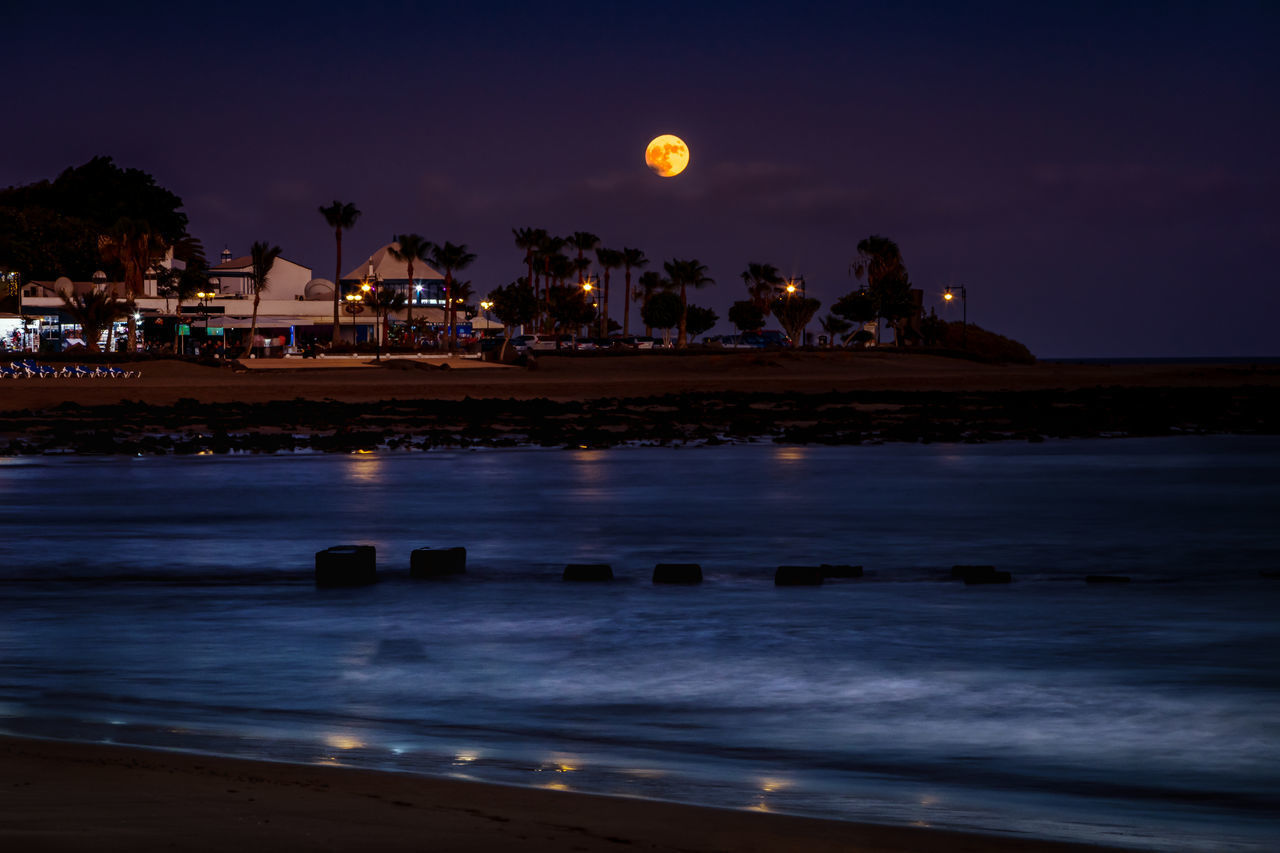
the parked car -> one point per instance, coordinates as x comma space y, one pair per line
637, 342
523, 343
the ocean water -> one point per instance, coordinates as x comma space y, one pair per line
169, 602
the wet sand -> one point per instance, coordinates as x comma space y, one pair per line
70, 797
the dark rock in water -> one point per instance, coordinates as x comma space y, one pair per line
798, 576
840, 571
346, 565
677, 573
588, 572
436, 562
1270, 574
992, 577
1107, 579
972, 574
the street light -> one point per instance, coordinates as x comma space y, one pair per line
353, 308
949, 294
204, 296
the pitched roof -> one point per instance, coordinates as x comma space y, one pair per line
388, 268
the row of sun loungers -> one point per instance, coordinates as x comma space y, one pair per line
29, 369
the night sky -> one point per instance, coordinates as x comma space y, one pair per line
1101, 177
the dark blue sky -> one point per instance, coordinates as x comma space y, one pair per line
1102, 180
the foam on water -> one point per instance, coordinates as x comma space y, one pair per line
168, 602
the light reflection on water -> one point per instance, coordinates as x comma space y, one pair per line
1048, 706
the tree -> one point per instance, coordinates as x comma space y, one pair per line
263, 257
180, 284
583, 241
133, 245
685, 274
631, 259
547, 254
663, 310
746, 315
94, 311
651, 283
608, 259
794, 313
513, 305
763, 282
408, 249
51, 228
341, 216
448, 259
530, 240
835, 327
879, 263
699, 320
463, 293
385, 301
568, 308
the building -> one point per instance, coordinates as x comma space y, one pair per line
426, 289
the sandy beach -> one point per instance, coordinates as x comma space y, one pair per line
588, 376
68, 797
600, 401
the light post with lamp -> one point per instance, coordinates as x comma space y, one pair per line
794, 284
204, 296
949, 294
354, 307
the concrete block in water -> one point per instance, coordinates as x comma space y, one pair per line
677, 573
437, 562
798, 576
588, 572
840, 571
347, 565
965, 572
973, 575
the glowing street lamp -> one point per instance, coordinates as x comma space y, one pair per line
204, 296
949, 294
354, 307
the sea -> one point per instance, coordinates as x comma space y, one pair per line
169, 602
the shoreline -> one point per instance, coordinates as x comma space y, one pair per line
69, 796
180, 407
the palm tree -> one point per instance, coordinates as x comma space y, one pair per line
608, 259
449, 259
685, 274
385, 300
763, 282
341, 217
835, 327
549, 248
583, 241
631, 259
879, 261
94, 311
132, 244
651, 282
408, 248
262, 255
529, 239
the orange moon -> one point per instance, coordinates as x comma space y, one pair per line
667, 155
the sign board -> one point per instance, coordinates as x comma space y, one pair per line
184, 329
213, 330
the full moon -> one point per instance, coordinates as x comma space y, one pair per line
667, 155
